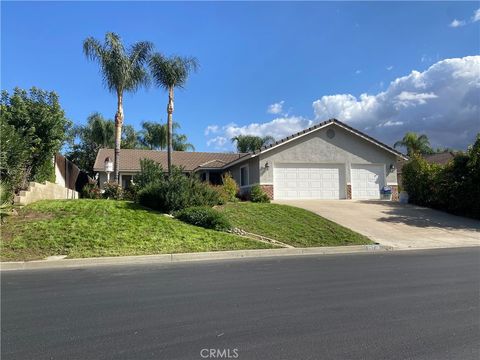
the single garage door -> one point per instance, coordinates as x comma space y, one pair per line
308, 181
367, 180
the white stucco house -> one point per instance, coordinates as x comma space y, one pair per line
330, 160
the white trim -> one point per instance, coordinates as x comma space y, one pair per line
392, 184
248, 175
266, 183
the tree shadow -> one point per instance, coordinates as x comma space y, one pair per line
419, 216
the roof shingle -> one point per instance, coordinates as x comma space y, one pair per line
130, 159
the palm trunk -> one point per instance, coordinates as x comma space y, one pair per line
118, 137
170, 130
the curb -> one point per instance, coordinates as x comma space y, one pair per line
187, 257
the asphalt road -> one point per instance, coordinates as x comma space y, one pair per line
399, 305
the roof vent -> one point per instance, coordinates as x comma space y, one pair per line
330, 133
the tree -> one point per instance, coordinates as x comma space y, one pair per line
170, 73
98, 133
122, 70
415, 144
180, 143
33, 129
247, 143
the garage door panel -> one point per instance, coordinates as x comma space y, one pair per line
309, 181
367, 180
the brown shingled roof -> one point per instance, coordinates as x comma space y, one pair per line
130, 159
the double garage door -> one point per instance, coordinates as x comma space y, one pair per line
326, 181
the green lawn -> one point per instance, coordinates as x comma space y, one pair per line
291, 225
85, 228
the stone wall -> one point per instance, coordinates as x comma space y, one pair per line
268, 189
47, 191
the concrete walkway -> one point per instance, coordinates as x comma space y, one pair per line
398, 225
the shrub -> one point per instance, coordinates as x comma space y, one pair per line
223, 196
91, 191
452, 187
230, 186
205, 217
258, 195
150, 172
177, 191
113, 191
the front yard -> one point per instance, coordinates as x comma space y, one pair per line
290, 225
89, 228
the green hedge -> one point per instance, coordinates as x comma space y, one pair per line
454, 187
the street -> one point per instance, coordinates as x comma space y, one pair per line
396, 305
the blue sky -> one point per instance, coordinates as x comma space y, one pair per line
313, 60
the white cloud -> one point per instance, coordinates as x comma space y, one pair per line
276, 108
389, 67
358, 72
457, 23
443, 102
476, 15
218, 142
212, 129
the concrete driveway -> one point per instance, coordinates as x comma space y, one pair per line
398, 225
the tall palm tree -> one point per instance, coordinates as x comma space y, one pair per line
246, 143
414, 144
169, 73
122, 70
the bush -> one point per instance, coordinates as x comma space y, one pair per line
452, 187
223, 196
205, 217
177, 191
112, 191
230, 187
150, 172
258, 195
91, 191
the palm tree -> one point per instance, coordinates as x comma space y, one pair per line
170, 73
415, 144
247, 143
122, 70
180, 143
154, 135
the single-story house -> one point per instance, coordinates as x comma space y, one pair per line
330, 160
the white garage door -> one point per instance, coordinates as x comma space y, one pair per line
308, 181
367, 180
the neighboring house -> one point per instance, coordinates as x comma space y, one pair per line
330, 160
442, 158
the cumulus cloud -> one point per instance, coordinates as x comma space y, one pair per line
276, 108
457, 23
218, 142
443, 102
212, 129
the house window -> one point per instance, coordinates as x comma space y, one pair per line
244, 176
126, 181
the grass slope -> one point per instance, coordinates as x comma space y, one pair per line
85, 228
291, 225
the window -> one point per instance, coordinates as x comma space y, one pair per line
244, 176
